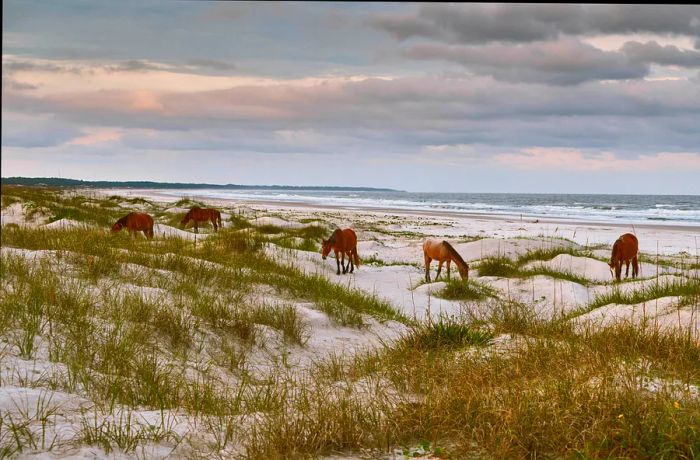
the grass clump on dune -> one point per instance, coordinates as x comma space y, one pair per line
497, 266
446, 332
554, 394
466, 290
504, 267
689, 289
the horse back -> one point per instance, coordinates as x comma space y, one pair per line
139, 221
434, 249
199, 214
346, 239
626, 247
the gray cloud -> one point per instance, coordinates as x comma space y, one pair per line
211, 64
133, 65
524, 23
36, 131
395, 115
462, 80
563, 62
11, 83
11, 66
652, 52
197, 65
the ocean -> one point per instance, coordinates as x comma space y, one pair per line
666, 209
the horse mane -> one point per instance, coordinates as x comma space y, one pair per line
122, 221
616, 250
333, 237
457, 258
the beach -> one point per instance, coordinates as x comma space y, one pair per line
254, 306
395, 236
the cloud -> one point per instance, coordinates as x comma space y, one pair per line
35, 131
652, 52
12, 66
13, 84
563, 62
212, 64
135, 65
96, 136
484, 23
396, 115
538, 158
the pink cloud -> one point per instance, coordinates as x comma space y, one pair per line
538, 158
100, 136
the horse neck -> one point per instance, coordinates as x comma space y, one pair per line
454, 255
336, 237
616, 251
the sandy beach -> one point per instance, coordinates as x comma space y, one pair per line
476, 236
556, 272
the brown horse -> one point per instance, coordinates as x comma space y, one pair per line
442, 251
198, 214
135, 222
343, 242
624, 250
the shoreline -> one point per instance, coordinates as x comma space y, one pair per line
510, 218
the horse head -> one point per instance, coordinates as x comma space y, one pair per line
615, 269
185, 219
116, 227
463, 271
326, 246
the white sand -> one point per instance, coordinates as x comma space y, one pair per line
395, 238
663, 313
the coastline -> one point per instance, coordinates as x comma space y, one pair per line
500, 217
295, 308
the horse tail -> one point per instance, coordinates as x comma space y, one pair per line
218, 217
355, 257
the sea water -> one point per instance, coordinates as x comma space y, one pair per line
666, 209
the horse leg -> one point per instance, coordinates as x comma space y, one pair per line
449, 261
352, 264
635, 267
337, 262
196, 229
427, 268
342, 262
213, 222
627, 268
439, 268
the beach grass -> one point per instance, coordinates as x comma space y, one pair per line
212, 330
505, 267
466, 290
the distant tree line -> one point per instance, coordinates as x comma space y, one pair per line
61, 182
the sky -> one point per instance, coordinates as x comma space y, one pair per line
515, 98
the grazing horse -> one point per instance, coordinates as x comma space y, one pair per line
198, 214
624, 250
442, 251
343, 242
135, 222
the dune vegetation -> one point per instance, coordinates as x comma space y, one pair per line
226, 344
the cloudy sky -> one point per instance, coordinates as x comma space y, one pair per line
419, 97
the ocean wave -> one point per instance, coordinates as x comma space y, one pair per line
635, 209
